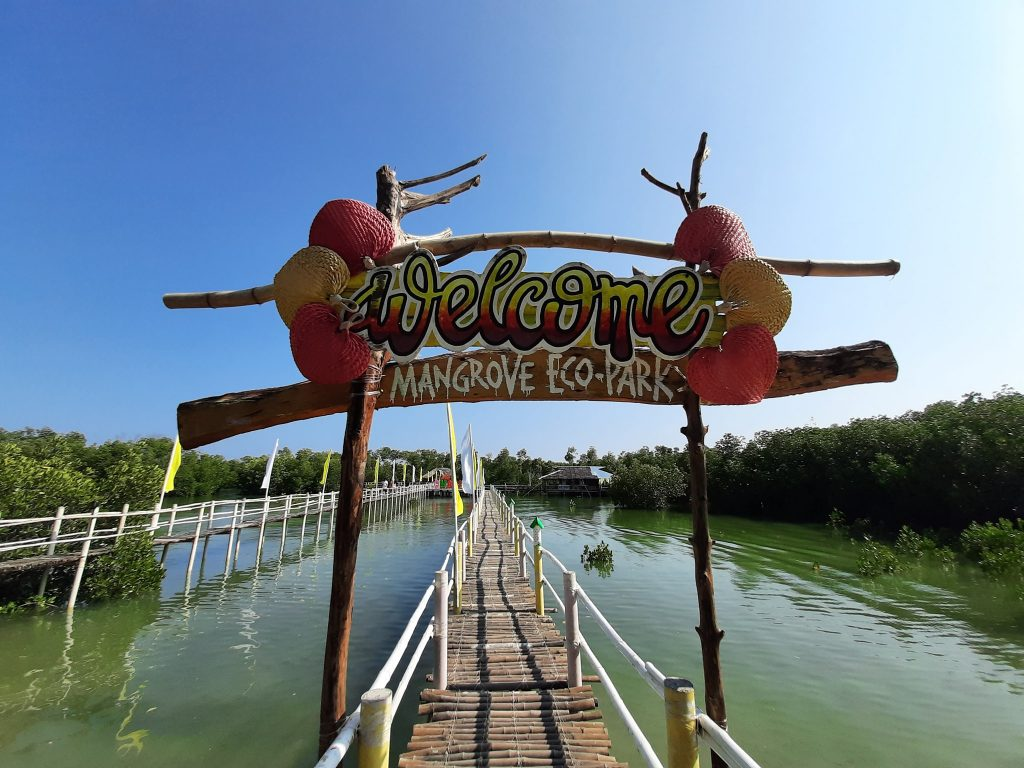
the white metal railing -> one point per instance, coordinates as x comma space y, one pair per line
707, 730
184, 522
334, 754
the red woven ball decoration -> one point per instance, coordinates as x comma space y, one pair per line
739, 372
354, 231
322, 353
713, 234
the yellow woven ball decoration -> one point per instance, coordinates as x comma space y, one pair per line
758, 294
311, 275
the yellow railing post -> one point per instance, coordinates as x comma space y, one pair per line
375, 728
538, 571
681, 719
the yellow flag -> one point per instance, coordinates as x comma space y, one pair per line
457, 497
172, 466
376, 471
327, 465
403, 472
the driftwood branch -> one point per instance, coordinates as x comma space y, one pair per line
677, 190
694, 195
201, 422
414, 201
394, 201
445, 175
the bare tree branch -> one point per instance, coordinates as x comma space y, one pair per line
439, 176
677, 190
444, 234
414, 201
702, 154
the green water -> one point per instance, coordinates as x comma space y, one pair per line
822, 668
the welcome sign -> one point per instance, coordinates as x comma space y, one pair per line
412, 305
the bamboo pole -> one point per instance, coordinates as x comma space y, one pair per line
82, 558
485, 241
51, 548
681, 722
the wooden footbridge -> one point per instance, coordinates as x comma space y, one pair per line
507, 687
507, 699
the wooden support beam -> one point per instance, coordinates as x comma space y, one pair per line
201, 422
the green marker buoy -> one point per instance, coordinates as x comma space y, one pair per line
537, 523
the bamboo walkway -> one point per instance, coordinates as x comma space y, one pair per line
508, 702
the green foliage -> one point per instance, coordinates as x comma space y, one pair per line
130, 569
653, 486
875, 559
836, 520
940, 468
997, 547
910, 543
600, 557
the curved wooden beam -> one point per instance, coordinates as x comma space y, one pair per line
492, 376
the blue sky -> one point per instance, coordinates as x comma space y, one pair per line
153, 147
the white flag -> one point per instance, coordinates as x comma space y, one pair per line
466, 454
265, 486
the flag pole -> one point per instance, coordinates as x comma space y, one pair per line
172, 468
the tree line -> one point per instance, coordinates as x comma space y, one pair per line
944, 467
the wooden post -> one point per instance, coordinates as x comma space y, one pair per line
392, 200
170, 523
538, 571
122, 521
441, 630
348, 517
375, 729
708, 631
51, 548
80, 571
681, 721
572, 630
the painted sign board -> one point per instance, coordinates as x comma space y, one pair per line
412, 305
